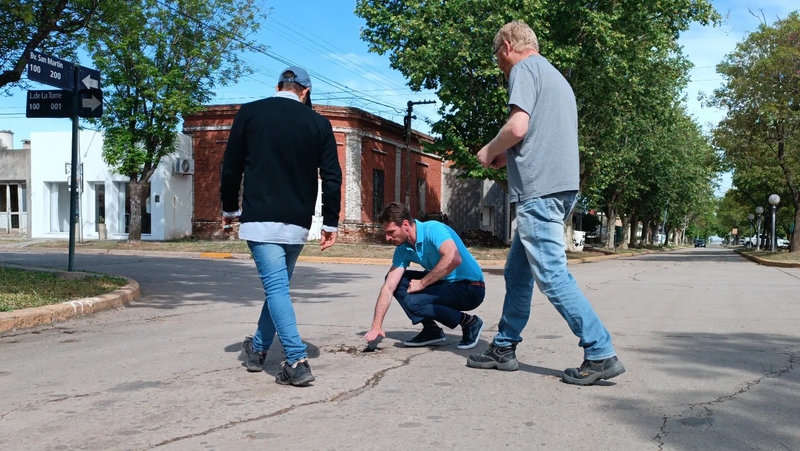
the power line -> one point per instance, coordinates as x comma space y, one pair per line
339, 53
280, 58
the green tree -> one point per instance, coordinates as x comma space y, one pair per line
49, 26
760, 134
161, 61
612, 53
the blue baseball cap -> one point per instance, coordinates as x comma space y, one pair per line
301, 77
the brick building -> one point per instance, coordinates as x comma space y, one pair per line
375, 168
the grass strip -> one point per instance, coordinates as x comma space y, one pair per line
22, 288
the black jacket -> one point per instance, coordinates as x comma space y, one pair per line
279, 145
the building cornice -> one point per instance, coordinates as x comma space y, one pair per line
376, 137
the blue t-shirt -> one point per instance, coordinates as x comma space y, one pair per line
431, 235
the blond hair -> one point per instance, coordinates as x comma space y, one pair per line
519, 35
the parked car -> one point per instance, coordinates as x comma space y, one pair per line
699, 243
782, 243
751, 241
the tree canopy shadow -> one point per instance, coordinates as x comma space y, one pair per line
736, 390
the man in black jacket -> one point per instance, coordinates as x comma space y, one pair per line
280, 145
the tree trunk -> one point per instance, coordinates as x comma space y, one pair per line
568, 234
653, 233
626, 232
634, 224
135, 227
794, 246
611, 219
667, 229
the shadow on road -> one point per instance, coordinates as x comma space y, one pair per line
761, 408
170, 283
700, 254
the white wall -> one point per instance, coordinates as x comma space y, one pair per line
51, 151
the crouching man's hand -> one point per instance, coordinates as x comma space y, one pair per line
374, 333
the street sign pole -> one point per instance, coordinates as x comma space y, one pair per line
83, 85
73, 180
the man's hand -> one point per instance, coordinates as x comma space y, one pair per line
326, 240
415, 286
227, 224
500, 161
484, 158
374, 333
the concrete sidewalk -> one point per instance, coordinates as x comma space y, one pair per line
23, 247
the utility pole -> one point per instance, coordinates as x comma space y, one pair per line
407, 136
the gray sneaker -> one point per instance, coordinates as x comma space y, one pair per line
592, 371
298, 374
504, 359
253, 360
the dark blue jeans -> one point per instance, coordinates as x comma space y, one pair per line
442, 301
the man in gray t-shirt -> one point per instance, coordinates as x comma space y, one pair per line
546, 160
539, 146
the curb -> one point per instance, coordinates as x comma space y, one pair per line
764, 262
305, 259
51, 314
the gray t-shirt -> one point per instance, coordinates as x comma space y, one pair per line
546, 160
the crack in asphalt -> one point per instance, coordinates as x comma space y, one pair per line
370, 383
662, 433
790, 275
633, 277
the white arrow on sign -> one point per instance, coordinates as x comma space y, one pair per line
90, 82
91, 103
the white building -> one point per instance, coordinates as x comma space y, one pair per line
167, 212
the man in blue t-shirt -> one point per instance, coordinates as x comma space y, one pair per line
451, 284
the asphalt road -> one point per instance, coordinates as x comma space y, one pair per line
710, 341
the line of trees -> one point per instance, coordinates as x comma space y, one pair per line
642, 156
760, 134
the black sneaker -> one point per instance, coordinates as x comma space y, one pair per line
254, 360
427, 337
470, 335
504, 359
298, 374
592, 371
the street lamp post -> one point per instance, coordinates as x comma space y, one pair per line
750, 218
759, 212
773, 202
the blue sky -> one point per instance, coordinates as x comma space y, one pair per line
324, 37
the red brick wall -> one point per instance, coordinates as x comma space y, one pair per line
209, 147
341, 149
433, 198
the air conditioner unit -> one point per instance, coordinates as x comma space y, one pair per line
184, 166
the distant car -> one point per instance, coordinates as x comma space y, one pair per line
699, 243
782, 243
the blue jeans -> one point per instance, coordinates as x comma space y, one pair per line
442, 301
538, 254
275, 264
